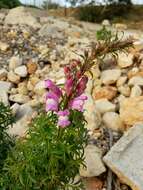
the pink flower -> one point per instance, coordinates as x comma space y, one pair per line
63, 120
51, 105
78, 103
69, 86
82, 85
52, 101
51, 86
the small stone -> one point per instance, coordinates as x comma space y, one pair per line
124, 90
40, 88
131, 110
103, 105
14, 62
110, 76
137, 80
23, 115
113, 121
6, 86
4, 97
125, 60
3, 73
31, 67
3, 46
106, 22
136, 91
125, 158
121, 81
22, 88
12, 77
91, 114
93, 183
21, 71
93, 162
108, 92
19, 98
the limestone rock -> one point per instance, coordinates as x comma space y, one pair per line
108, 92
121, 81
4, 97
136, 91
113, 121
125, 158
131, 110
3, 46
31, 67
106, 22
136, 80
40, 88
12, 77
125, 60
14, 62
110, 76
3, 73
124, 90
93, 162
6, 86
103, 105
21, 71
92, 115
23, 116
19, 98
22, 16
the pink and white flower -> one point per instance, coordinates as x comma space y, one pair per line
63, 120
78, 103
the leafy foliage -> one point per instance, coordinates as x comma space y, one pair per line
49, 157
6, 142
103, 34
9, 3
95, 13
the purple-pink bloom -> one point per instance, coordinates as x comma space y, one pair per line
78, 103
51, 105
63, 120
69, 86
52, 87
52, 95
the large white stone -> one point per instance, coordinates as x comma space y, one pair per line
21, 71
23, 117
125, 60
92, 115
131, 110
93, 162
14, 62
103, 105
126, 158
110, 76
21, 16
136, 91
136, 80
113, 121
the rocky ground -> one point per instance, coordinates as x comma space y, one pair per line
34, 47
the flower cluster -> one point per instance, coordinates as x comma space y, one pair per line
71, 97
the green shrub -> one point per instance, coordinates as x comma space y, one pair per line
47, 159
9, 3
103, 34
93, 13
6, 142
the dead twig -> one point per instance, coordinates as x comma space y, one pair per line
110, 174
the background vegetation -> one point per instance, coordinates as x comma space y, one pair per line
9, 3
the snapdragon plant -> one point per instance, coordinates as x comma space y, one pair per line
51, 154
